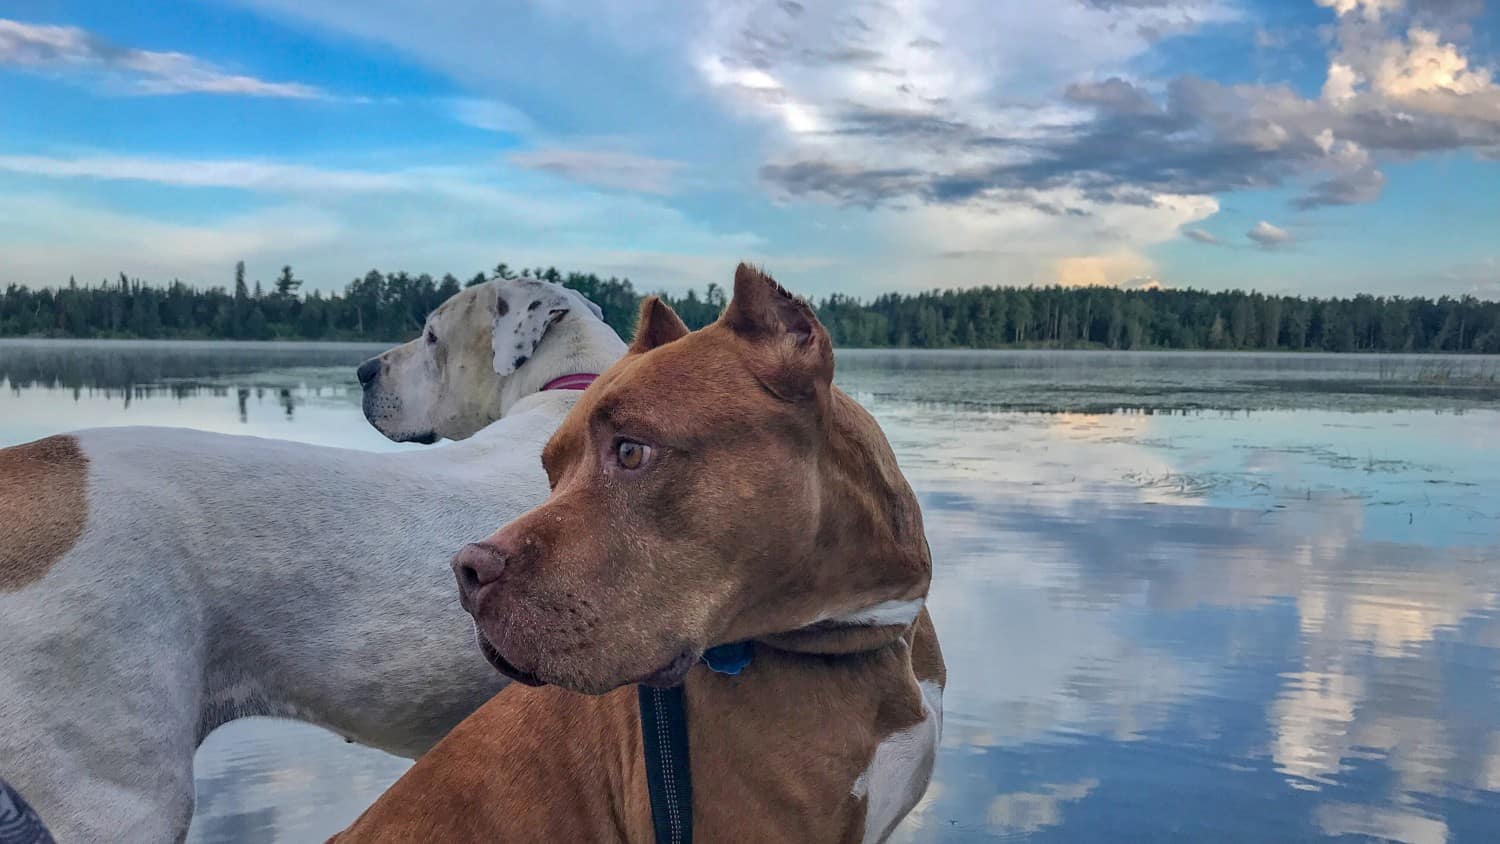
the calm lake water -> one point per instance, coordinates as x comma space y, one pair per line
1206, 597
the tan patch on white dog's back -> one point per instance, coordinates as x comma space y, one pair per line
42, 507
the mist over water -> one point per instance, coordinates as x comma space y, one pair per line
1224, 597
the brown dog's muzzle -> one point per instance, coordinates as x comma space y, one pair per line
476, 566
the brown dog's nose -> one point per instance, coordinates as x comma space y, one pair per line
476, 565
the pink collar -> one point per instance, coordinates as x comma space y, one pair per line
574, 381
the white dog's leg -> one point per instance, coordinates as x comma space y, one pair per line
100, 695
105, 764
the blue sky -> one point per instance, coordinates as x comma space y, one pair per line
1311, 146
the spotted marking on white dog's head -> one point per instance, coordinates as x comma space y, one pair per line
518, 330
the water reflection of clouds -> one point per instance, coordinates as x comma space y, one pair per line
1488, 775
1338, 819
1047, 669
1022, 812
1311, 717
1091, 607
264, 780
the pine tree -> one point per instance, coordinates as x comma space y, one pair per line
286, 283
240, 314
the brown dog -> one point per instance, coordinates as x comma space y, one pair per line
710, 488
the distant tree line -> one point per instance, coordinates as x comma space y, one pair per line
392, 306
1111, 318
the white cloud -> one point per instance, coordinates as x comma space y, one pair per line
333, 224
998, 242
1432, 82
491, 115
1125, 268
1202, 236
1268, 236
70, 51
474, 186
1339, 86
1368, 9
248, 174
1426, 64
617, 170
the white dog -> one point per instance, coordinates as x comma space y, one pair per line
156, 583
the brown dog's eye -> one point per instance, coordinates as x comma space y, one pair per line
632, 455
431, 338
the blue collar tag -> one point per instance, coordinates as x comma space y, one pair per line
729, 659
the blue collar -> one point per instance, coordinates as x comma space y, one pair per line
729, 659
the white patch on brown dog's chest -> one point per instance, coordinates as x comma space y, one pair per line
901, 768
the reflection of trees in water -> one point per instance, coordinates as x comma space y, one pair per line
1152, 383
127, 366
287, 397
1387, 367
130, 372
283, 397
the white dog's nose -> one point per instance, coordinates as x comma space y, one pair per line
367, 371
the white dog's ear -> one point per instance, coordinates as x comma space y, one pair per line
521, 320
593, 308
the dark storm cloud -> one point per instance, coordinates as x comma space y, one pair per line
1200, 138
844, 56
1352, 188
1112, 96
1130, 148
848, 184
894, 123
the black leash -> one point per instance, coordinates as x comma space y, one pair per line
664, 734
668, 770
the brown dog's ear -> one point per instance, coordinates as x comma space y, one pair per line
799, 353
657, 325
761, 307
